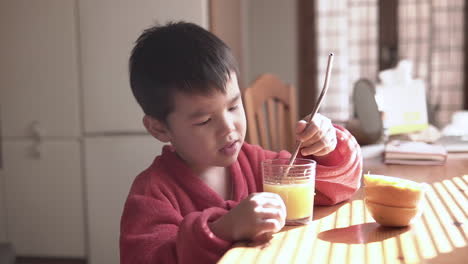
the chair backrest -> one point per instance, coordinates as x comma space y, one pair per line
272, 113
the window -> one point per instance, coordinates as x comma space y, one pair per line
370, 35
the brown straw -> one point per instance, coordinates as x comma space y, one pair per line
315, 110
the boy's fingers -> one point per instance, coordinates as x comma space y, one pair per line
328, 137
267, 205
273, 201
309, 131
313, 130
312, 149
270, 225
300, 126
263, 237
272, 213
320, 136
321, 147
314, 144
323, 152
270, 204
267, 196
268, 199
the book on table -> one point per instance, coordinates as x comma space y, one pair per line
414, 153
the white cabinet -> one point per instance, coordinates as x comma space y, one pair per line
40, 130
44, 200
38, 67
111, 165
109, 29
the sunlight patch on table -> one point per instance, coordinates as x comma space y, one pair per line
447, 222
423, 240
321, 251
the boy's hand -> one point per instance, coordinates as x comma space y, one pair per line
318, 138
253, 218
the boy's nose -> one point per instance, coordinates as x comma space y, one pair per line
228, 123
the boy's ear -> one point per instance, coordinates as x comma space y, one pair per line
156, 128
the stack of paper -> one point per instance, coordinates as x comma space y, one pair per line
414, 153
454, 143
402, 98
455, 135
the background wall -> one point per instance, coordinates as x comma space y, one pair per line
272, 39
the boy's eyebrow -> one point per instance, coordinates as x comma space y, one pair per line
197, 114
235, 98
200, 112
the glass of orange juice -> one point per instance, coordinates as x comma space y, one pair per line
295, 184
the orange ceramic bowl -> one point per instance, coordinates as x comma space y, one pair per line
391, 215
392, 196
393, 191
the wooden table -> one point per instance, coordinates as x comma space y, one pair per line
346, 233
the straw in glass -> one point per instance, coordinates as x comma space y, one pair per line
314, 111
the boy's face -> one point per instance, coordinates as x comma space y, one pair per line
209, 130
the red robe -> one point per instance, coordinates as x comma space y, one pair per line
166, 215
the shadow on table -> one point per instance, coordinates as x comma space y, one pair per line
361, 234
320, 211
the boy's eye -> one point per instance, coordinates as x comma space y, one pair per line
204, 122
233, 108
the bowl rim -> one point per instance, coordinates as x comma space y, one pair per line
395, 207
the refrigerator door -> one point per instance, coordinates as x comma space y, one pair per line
44, 198
111, 165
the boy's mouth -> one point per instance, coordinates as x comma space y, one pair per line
230, 148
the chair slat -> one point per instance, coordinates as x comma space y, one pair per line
261, 118
250, 112
282, 127
272, 124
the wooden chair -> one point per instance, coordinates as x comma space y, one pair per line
272, 113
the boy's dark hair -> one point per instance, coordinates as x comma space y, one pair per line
181, 57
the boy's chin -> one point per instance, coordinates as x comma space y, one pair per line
228, 161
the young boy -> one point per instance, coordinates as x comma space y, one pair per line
204, 192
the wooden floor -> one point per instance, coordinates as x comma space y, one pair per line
24, 260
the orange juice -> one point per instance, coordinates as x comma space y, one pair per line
295, 183
298, 198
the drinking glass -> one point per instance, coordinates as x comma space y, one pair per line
295, 184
